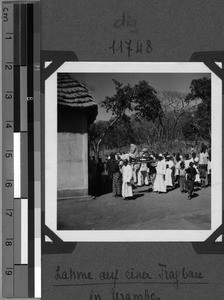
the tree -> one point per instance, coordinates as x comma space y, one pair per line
147, 105
119, 135
148, 114
201, 89
189, 127
141, 99
174, 108
95, 133
118, 105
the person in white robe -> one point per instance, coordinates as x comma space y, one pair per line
144, 179
139, 177
195, 161
160, 183
177, 171
169, 171
126, 176
135, 172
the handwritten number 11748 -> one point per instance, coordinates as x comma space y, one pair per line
130, 47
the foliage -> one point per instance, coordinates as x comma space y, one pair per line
140, 99
95, 132
190, 128
145, 117
120, 134
121, 101
147, 105
201, 88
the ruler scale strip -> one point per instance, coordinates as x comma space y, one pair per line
22, 284
17, 231
17, 60
23, 35
20, 116
23, 98
21, 281
22, 138
7, 150
37, 151
30, 117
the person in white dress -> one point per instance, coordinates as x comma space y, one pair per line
203, 165
136, 171
195, 161
209, 171
169, 172
126, 176
143, 177
160, 183
177, 170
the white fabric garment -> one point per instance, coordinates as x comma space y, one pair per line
197, 177
160, 184
143, 175
186, 163
209, 167
203, 158
194, 160
126, 185
168, 180
143, 166
145, 179
140, 179
177, 168
136, 173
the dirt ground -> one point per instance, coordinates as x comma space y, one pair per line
147, 210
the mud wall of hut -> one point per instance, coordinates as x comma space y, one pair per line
72, 154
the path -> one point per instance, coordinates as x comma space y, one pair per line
147, 211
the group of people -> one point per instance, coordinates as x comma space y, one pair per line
183, 171
163, 172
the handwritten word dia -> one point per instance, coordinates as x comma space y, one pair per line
127, 21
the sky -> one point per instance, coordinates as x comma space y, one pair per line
101, 85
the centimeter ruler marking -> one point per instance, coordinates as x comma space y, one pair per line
37, 152
8, 155
20, 153
30, 128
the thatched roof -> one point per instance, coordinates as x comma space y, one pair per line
74, 95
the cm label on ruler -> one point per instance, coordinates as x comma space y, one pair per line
5, 14
8, 149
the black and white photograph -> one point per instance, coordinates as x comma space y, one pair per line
134, 151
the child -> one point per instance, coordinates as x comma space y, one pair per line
191, 173
209, 171
182, 177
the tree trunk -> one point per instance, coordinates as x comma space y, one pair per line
104, 134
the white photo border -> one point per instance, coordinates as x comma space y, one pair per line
50, 147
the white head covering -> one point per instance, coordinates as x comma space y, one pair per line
126, 156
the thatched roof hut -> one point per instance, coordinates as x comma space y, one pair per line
76, 110
72, 95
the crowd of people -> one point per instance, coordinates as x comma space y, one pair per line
121, 173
